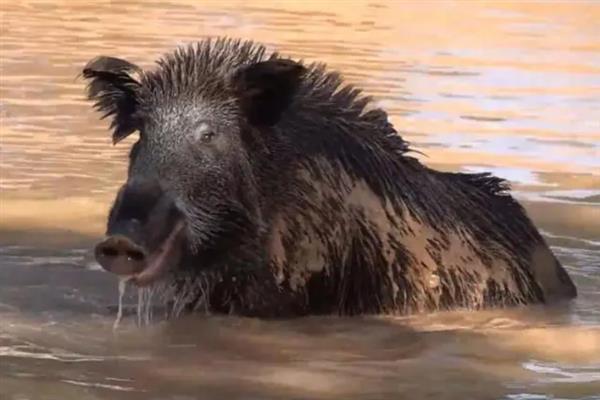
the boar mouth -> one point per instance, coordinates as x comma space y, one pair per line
122, 256
159, 261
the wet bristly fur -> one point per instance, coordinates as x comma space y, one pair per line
333, 214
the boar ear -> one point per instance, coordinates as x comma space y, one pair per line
114, 91
265, 89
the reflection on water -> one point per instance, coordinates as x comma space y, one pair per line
508, 87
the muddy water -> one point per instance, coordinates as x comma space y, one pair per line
512, 88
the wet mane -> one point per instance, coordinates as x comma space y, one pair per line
205, 66
201, 67
328, 117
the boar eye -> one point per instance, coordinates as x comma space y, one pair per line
203, 133
207, 136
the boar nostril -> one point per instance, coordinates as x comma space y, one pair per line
135, 255
109, 252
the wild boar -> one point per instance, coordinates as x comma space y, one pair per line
265, 187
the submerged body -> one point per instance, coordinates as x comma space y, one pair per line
263, 187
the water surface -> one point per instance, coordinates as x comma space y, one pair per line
512, 88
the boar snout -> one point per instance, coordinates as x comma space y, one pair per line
120, 255
145, 233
